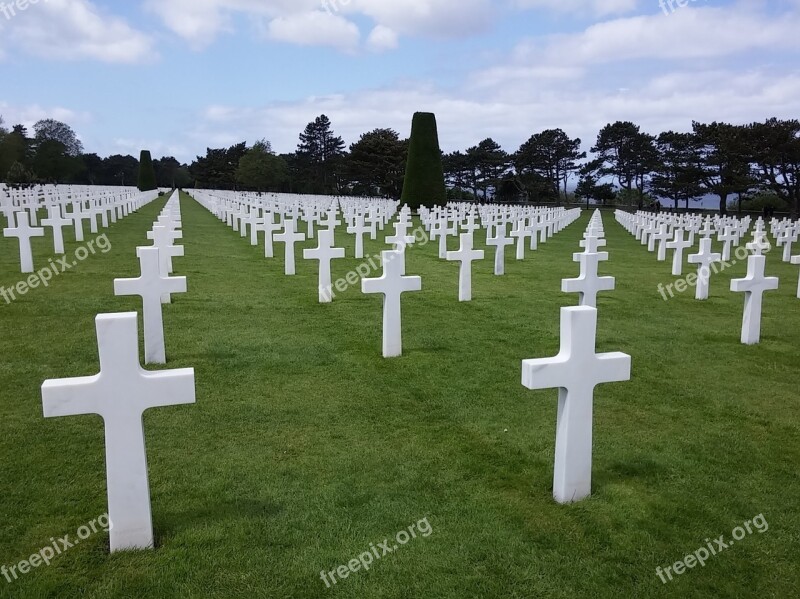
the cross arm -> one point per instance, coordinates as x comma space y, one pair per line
169, 388
71, 397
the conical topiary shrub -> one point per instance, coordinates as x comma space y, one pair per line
147, 173
424, 183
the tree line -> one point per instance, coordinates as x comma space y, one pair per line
748, 165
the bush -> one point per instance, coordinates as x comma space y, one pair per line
424, 182
147, 173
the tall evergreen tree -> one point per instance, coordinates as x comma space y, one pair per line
424, 181
320, 154
147, 174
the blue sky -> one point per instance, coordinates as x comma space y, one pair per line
176, 76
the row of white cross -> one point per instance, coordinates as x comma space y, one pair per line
122, 391
272, 214
577, 370
730, 231
22, 216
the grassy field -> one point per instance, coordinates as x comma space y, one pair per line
306, 446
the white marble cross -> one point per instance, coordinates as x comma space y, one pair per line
727, 238
679, 244
324, 252
56, 222
575, 371
796, 260
521, 233
269, 226
466, 255
151, 286
359, 228
164, 239
78, 216
787, 239
662, 237
392, 284
499, 241
289, 237
24, 232
753, 286
592, 244
121, 393
704, 259
589, 283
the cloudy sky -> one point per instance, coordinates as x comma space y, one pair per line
176, 76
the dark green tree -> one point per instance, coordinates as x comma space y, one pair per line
217, 169
424, 181
376, 164
589, 188
677, 175
15, 146
487, 164
52, 130
119, 170
553, 156
147, 174
261, 170
723, 156
775, 154
627, 154
320, 156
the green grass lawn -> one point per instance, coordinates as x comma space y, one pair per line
306, 446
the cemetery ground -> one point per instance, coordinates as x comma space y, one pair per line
305, 446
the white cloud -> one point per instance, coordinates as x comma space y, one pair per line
315, 29
382, 38
74, 30
201, 21
28, 115
582, 7
666, 101
690, 33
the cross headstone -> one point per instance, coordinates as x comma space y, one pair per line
269, 226
796, 260
727, 238
499, 241
662, 237
289, 237
24, 232
359, 228
324, 252
521, 233
151, 286
589, 283
704, 259
120, 394
56, 222
466, 255
679, 244
392, 284
575, 371
753, 286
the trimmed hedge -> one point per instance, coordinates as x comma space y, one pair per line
147, 173
424, 183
